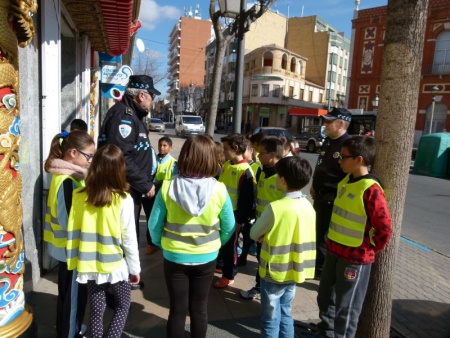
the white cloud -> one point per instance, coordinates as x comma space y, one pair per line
152, 13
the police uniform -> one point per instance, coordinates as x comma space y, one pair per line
124, 127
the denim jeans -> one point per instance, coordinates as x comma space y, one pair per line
276, 319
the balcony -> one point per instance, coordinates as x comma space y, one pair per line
436, 69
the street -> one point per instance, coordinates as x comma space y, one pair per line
426, 213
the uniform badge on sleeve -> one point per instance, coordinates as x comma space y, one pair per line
350, 273
124, 130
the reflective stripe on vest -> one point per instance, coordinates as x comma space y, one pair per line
54, 235
348, 221
266, 192
288, 251
231, 175
183, 232
164, 170
94, 235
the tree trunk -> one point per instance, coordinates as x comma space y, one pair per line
400, 79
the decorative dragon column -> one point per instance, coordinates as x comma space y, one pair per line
16, 30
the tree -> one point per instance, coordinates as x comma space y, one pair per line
400, 79
221, 44
146, 63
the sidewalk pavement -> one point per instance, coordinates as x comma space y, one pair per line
421, 305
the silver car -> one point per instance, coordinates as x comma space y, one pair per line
156, 125
311, 138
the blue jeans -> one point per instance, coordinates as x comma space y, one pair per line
276, 319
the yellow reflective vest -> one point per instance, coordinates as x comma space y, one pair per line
94, 235
266, 192
164, 170
288, 251
231, 174
349, 218
54, 234
184, 233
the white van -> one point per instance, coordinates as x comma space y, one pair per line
189, 125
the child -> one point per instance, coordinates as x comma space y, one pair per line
166, 169
191, 219
287, 229
271, 151
69, 156
360, 227
247, 242
78, 124
239, 180
102, 242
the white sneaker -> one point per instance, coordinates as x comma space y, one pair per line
253, 293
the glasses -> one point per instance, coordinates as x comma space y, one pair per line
151, 95
87, 156
344, 157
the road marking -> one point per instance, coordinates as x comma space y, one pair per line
417, 245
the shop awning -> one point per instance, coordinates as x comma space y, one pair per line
107, 23
302, 111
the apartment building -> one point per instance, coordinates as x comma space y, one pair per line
187, 43
368, 29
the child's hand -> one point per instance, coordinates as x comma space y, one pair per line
134, 279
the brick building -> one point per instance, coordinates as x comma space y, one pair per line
367, 50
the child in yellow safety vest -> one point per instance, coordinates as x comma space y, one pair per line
102, 241
286, 229
166, 169
70, 155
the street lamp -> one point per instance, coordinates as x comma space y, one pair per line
433, 90
375, 103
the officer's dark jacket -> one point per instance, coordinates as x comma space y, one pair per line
123, 126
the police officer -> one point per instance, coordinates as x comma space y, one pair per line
327, 175
124, 127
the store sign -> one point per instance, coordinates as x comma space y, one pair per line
114, 75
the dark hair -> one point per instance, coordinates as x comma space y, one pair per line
198, 157
166, 139
363, 146
64, 142
257, 138
78, 124
106, 176
288, 144
236, 140
219, 151
273, 144
295, 170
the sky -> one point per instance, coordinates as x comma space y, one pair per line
158, 18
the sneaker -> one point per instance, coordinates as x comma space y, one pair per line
239, 250
253, 293
151, 249
223, 282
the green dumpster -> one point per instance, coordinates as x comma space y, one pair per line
432, 158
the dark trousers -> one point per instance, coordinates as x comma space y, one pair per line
258, 254
342, 290
121, 298
323, 216
71, 303
139, 203
188, 287
246, 241
228, 257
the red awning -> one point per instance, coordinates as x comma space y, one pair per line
307, 111
117, 16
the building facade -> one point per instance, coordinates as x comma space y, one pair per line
368, 30
187, 43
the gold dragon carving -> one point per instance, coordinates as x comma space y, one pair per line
16, 30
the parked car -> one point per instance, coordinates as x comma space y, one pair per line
311, 138
156, 125
277, 131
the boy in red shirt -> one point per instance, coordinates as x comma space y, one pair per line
360, 227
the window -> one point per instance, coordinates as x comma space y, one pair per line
302, 94
268, 59
284, 62
291, 91
300, 67
320, 97
254, 90
276, 91
265, 90
310, 96
293, 62
441, 62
